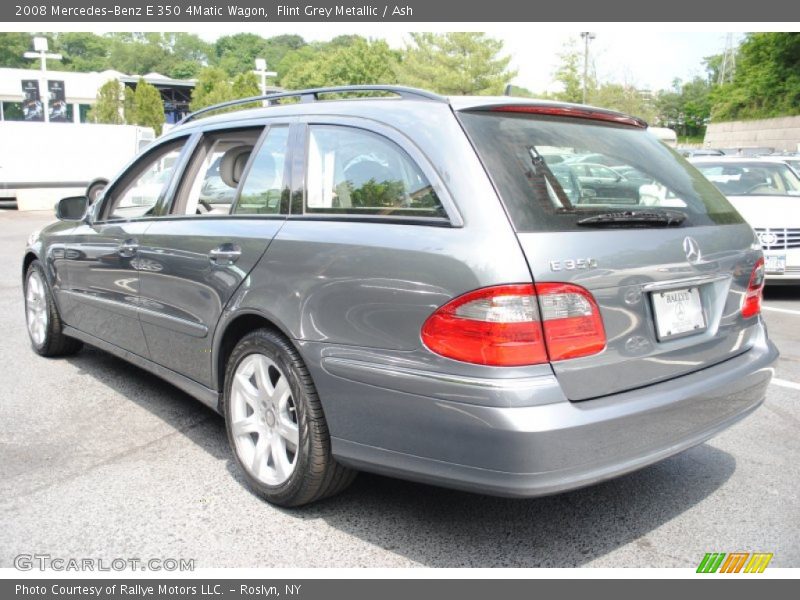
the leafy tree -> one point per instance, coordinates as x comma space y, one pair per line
767, 79
623, 98
12, 46
245, 85
237, 53
108, 108
570, 74
212, 87
292, 61
129, 105
456, 63
83, 51
362, 62
172, 54
149, 108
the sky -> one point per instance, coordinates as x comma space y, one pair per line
640, 56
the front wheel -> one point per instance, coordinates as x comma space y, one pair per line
42, 318
275, 423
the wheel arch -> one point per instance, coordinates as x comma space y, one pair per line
26, 263
229, 334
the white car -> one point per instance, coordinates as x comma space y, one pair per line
766, 191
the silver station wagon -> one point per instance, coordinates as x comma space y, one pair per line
448, 290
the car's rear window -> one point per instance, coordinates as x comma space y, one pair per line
553, 171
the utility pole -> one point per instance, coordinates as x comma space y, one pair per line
261, 69
587, 36
40, 51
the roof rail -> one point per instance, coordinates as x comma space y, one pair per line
312, 95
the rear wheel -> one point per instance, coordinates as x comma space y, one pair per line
42, 318
275, 423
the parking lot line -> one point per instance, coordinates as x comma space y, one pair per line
788, 311
787, 384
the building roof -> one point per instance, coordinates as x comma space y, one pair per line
79, 87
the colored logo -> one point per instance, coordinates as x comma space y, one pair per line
734, 562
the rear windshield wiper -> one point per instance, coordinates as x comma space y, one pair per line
635, 218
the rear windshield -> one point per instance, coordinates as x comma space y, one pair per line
751, 178
553, 171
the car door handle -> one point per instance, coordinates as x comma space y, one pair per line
226, 254
128, 248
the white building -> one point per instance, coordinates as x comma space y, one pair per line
80, 92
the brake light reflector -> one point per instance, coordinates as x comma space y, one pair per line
515, 325
755, 291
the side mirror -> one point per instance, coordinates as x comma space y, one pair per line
72, 208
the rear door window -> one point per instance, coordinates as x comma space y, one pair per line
552, 172
352, 171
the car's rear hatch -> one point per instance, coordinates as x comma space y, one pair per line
669, 278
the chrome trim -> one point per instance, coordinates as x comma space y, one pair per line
683, 282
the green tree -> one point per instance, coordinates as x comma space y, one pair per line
83, 51
129, 105
456, 63
149, 108
766, 82
237, 53
570, 74
361, 62
245, 85
108, 108
212, 87
623, 98
12, 47
178, 55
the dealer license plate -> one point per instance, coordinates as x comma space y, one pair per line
775, 263
678, 313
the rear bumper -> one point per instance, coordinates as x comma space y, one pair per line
536, 450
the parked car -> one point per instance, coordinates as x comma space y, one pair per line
766, 192
692, 152
404, 285
790, 158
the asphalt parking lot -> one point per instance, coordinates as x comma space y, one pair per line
100, 459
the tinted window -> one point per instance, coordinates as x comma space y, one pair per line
144, 184
355, 172
264, 183
600, 168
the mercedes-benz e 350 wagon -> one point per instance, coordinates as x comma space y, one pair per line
418, 286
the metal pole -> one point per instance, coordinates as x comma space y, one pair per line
43, 86
585, 36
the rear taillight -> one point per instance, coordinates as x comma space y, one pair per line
573, 326
514, 325
755, 290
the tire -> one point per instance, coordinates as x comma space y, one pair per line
275, 423
96, 188
42, 318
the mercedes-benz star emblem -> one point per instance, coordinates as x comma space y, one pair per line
767, 238
692, 250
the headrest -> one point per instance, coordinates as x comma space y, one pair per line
232, 164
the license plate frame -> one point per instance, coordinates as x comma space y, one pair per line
775, 263
678, 312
